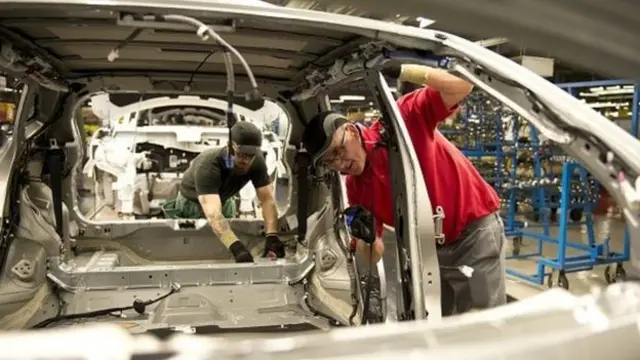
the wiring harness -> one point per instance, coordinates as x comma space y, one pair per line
139, 306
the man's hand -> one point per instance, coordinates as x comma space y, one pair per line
273, 247
371, 253
360, 222
240, 252
361, 227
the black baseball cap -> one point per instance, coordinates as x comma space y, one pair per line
248, 137
318, 134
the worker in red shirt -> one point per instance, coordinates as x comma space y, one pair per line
472, 228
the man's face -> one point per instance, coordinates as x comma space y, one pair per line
346, 154
242, 162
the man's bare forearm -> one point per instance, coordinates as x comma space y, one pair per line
212, 209
438, 79
452, 88
221, 227
270, 216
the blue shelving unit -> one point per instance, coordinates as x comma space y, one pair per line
554, 193
596, 251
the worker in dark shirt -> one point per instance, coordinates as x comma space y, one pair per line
213, 178
473, 233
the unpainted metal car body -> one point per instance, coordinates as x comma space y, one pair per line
146, 146
61, 49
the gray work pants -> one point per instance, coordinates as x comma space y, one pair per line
480, 246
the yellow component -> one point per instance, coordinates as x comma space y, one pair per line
7, 111
90, 130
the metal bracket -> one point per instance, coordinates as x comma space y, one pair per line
53, 144
438, 217
24, 270
326, 259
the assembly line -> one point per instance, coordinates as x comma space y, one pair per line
262, 180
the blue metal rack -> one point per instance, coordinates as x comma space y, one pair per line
588, 255
541, 193
512, 226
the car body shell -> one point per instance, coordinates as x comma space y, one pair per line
349, 49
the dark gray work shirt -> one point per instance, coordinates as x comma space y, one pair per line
208, 174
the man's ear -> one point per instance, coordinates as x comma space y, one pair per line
353, 129
350, 127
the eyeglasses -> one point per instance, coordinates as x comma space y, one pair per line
337, 153
244, 157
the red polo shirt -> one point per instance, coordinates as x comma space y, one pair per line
451, 180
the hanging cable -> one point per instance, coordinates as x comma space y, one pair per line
231, 116
115, 52
205, 31
361, 225
187, 87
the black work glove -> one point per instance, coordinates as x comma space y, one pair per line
273, 247
391, 71
240, 252
360, 222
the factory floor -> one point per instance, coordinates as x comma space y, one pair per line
580, 282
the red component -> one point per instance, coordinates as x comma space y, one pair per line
353, 245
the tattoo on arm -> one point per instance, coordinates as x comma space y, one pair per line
218, 223
212, 208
